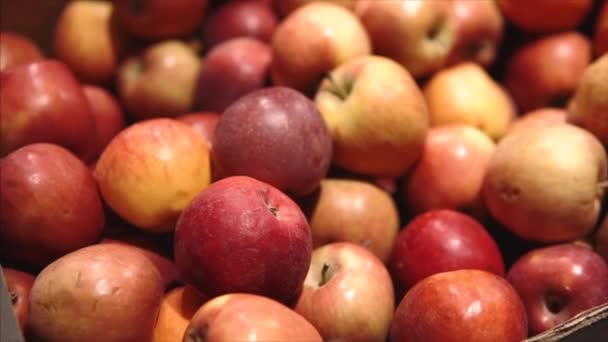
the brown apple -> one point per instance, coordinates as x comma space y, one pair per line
546, 116
19, 285
545, 16
285, 7
176, 311
107, 113
17, 49
600, 35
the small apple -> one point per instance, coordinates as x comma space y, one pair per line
203, 123
546, 116
176, 311
285, 7
107, 113
19, 285
600, 35
17, 49
544, 16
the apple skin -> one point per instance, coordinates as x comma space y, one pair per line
231, 70
544, 184
600, 34
277, 136
348, 294
376, 115
43, 102
463, 305
285, 7
243, 18
557, 282
418, 34
160, 19
243, 235
547, 70
19, 285
49, 204
311, 41
151, 170
203, 123
248, 317
107, 113
17, 49
545, 16
177, 309
450, 171
161, 82
546, 116
117, 287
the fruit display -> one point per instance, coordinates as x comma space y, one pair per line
303, 170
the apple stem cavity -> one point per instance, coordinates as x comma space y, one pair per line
553, 303
14, 298
326, 274
192, 335
342, 91
274, 211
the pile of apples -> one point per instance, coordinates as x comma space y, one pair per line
297, 170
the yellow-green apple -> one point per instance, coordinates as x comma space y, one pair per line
353, 211
19, 285
545, 184
151, 170
376, 115
88, 41
544, 16
243, 235
231, 70
546, 116
243, 18
107, 113
467, 94
588, 107
17, 49
160, 19
600, 34
479, 28
161, 82
42, 101
176, 311
110, 292
285, 7
601, 239
49, 204
450, 170
248, 317
203, 123
545, 72
463, 305
275, 135
557, 282
418, 34
442, 240
348, 294
311, 41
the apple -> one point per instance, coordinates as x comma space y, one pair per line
463, 305
545, 184
467, 94
600, 34
354, 211
176, 311
479, 28
243, 235
545, 116
43, 102
450, 170
546, 71
160, 19
231, 70
311, 41
111, 292
243, 18
88, 41
544, 16
17, 49
588, 107
275, 135
248, 317
161, 82
107, 113
204, 123
419, 34
151, 170
49, 204
557, 282
376, 115
285, 7
19, 285
348, 294
601, 239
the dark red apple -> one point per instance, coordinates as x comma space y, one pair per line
243, 235
108, 115
600, 35
545, 16
19, 285
557, 282
203, 122
440, 241
49, 204
231, 70
276, 135
17, 49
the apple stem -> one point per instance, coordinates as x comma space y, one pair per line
324, 274
336, 89
14, 297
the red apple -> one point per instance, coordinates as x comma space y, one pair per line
231, 70
108, 115
275, 135
440, 241
542, 117
17, 49
19, 285
43, 102
557, 282
49, 204
243, 18
348, 294
545, 16
204, 123
600, 36
463, 305
243, 235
